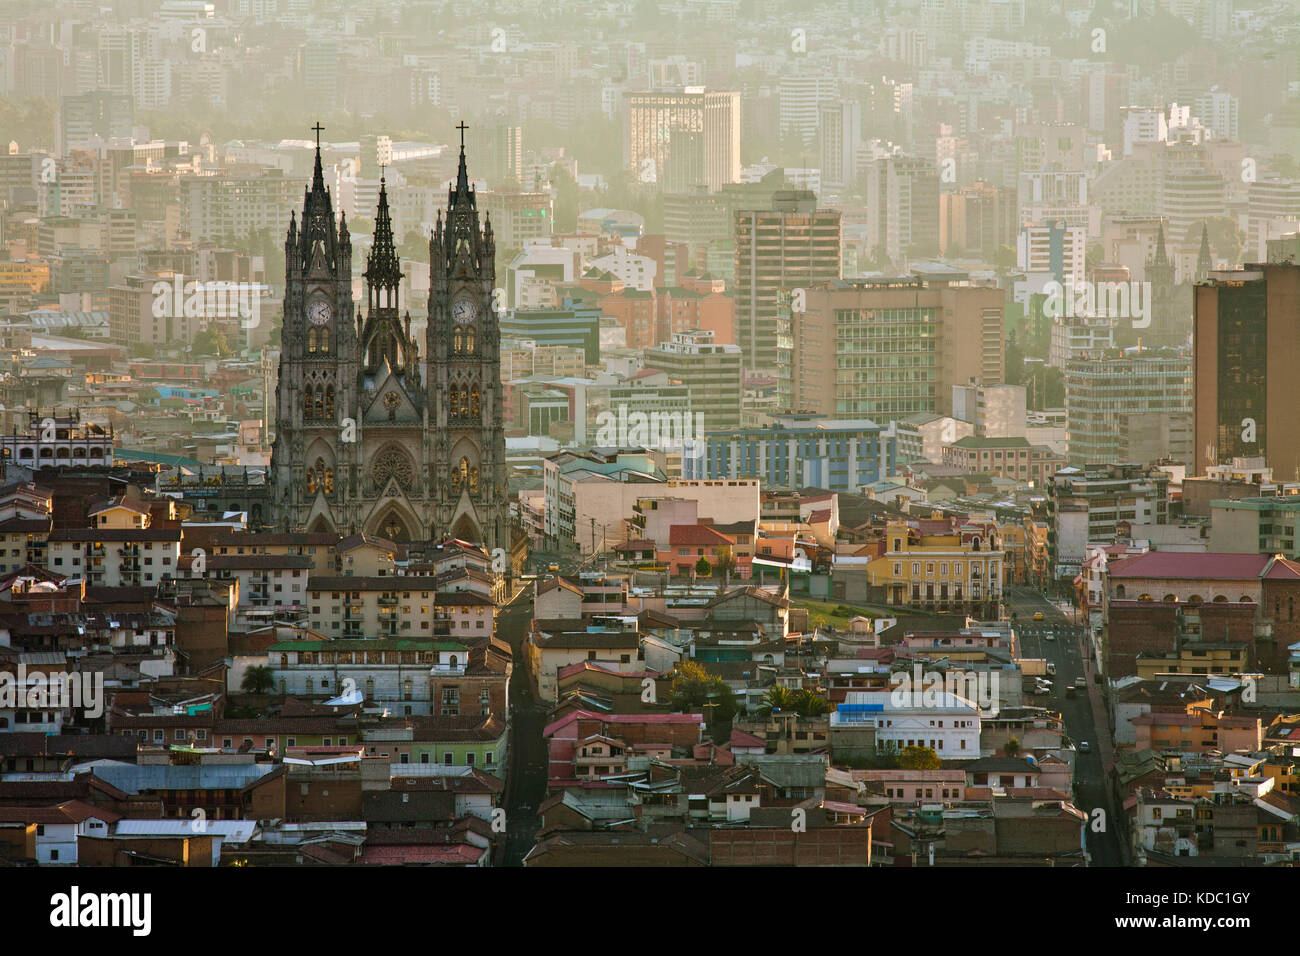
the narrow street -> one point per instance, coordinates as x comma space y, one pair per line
526, 764
1062, 642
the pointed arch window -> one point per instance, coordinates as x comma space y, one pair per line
329, 403
306, 405
325, 341
454, 397
320, 477
460, 475
458, 342
474, 402
311, 341
469, 341
464, 401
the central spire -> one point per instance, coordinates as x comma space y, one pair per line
382, 265
462, 173
318, 176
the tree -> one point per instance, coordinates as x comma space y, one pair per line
212, 341
726, 562
694, 688
1012, 747
919, 758
810, 704
414, 246
703, 568
258, 680
778, 698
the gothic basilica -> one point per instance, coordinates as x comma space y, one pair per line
370, 435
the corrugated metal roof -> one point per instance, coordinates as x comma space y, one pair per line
231, 831
132, 778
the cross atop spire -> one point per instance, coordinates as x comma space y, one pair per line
462, 127
318, 129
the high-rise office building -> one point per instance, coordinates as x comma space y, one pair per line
501, 146
518, 215
711, 372
318, 68
839, 127
888, 348
801, 97
87, 120
680, 140
1246, 339
792, 245
1273, 201
1129, 407
977, 220
903, 194
1190, 196
1053, 249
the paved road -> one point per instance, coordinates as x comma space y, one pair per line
1061, 641
526, 769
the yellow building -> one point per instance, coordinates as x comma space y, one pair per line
1015, 545
939, 566
1200, 658
25, 275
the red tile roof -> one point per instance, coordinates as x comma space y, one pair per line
455, 854
1191, 565
699, 534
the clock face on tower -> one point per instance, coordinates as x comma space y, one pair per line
318, 312
463, 312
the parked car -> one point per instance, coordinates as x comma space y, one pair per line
1080, 682
1038, 615
1084, 747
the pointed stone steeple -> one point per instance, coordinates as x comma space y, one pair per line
1160, 274
383, 267
317, 214
1204, 262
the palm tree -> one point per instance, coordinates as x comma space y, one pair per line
778, 698
811, 704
